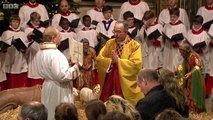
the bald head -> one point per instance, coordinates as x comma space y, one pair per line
64, 6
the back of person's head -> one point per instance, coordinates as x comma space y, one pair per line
169, 114
49, 34
95, 109
107, 8
33, 111
148, 15
149, 75
116, 115
128, 14
198, 19
116, 102
66, 111
15, 17
35, 15
174, 11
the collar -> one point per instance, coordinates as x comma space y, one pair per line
107, 21
209, 7
134, 3
33, 26
14, 30
131, 27
65, 14
97, 9
176, 7
32, 5
197, 31
155, 22
67, 31
87, 28
176, 23
48, 45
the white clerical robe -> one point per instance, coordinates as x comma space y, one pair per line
138, 10
171, 55
165, 19
26, 10
90, 34
197, 37
31, 52
152, 58
95, 14
57, 86
210, 66
15, 61
100, 28
70, 16
206, 12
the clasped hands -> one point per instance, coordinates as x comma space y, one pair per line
114, 57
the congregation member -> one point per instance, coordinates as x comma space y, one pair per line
118, 64
66, 111
156, 97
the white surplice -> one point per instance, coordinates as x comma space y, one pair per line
57, 86
210, 66
206, 12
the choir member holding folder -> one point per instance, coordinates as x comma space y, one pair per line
66, 33
15, 63
66, 13
174, 34
152, 42
34, 34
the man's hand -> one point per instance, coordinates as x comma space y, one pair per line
186, 76
114, 57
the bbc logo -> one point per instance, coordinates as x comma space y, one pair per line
10, 6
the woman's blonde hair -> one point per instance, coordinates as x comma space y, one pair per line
118, 103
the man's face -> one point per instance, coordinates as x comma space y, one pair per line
130, 21
64, 6
119, 32
173, 18
107, 14
87, 22
32, 1
183, 53
14, 24
143, 85
99, 3
172, 3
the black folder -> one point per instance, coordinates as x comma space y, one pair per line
19, 44
154, 35
94, 22
207, 25
3, 45
46, 23
199, 45
38, 36
64, 45
74, 23
104, 36
175, 38
133, 33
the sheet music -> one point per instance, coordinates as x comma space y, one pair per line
76, 51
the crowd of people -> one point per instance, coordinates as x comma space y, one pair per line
125, 56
